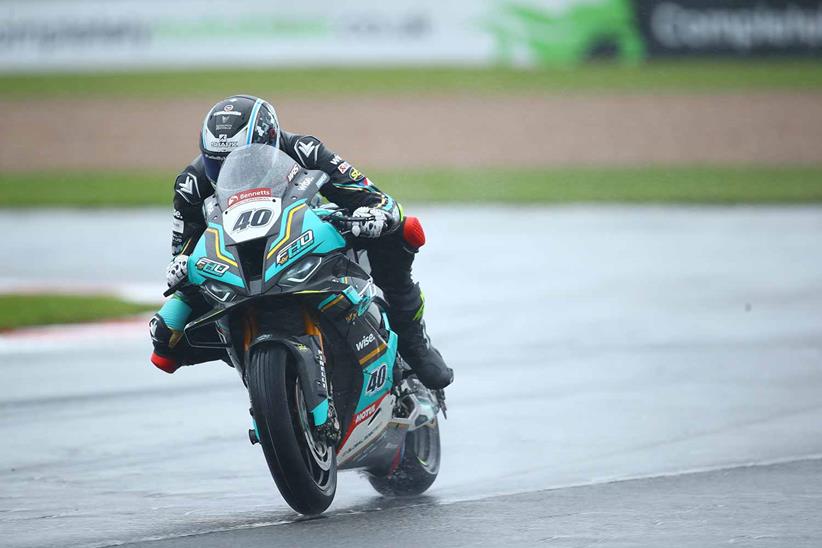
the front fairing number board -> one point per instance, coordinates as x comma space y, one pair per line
251, 219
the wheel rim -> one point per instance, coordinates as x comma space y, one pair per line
426, 446
317, 455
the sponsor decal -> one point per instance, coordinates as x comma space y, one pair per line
302, 348
229, 107
212, 267
224, 143
377, 380
730, 27
351, 316
302, 185
249, 196
336, 160
356, 175
210, 205
365, 413
296, 247
225, 114
368, 339
343, 167
293, 173
323, 380
176, 225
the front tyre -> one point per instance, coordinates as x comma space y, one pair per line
418, 467
303, 467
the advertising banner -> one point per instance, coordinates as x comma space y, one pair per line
123, 34
91, 35
722, 28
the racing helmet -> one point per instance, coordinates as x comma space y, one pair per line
234, 122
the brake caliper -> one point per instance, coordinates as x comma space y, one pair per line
330, 429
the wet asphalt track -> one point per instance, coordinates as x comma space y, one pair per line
591, 344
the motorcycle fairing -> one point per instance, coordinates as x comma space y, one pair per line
301, 232
215, 256
378, 370
369, 431
358, 292
211, 259
375, 349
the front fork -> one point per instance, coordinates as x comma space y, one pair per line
308, 353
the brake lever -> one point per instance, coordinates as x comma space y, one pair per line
174, 288
351, 224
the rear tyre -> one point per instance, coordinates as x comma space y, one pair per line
419, 464
303, 467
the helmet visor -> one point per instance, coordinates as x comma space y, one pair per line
212, 164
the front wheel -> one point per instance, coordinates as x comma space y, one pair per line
418, 467
303, 467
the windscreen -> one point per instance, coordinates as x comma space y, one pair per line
254, 167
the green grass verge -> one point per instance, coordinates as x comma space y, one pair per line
705, 185
41, 309
334, 82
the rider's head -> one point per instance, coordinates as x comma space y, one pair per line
234, 122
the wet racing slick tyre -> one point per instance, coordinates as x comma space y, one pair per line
304, 468
418, 467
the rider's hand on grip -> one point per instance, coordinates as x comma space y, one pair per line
177, 270
369, 222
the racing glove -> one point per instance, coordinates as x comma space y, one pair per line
177, 270
370, 223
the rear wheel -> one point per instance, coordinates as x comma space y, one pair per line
303, 467
418, 467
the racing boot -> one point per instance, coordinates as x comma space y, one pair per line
416, 349
171, 350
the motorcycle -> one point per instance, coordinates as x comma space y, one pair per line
299, 318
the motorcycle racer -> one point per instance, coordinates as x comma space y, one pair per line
390, 239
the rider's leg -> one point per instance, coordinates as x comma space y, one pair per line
391, 258
171, 350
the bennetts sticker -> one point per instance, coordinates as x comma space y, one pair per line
250, 196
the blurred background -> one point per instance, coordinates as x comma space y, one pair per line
622, 204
